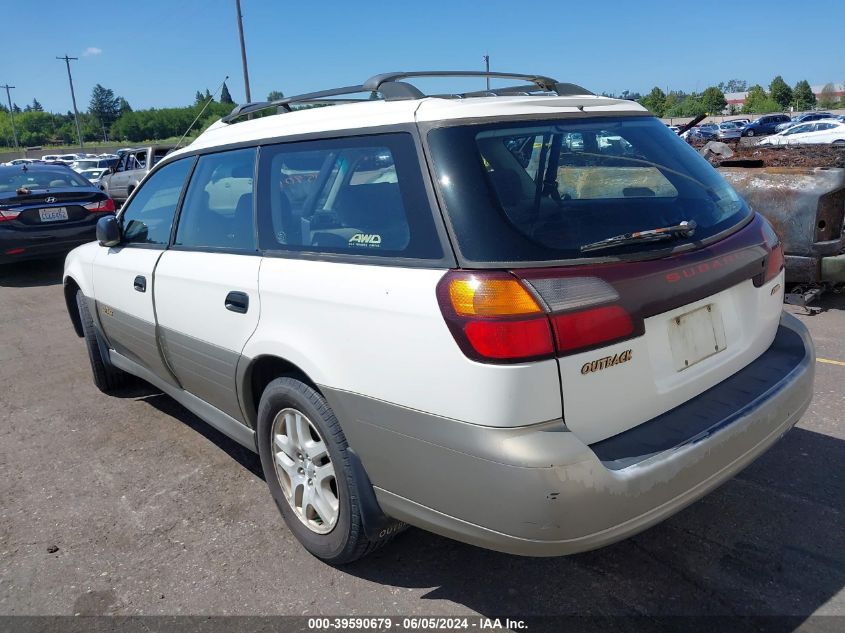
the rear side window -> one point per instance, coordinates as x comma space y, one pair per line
547, 191
361, 195
218, 207
148, 218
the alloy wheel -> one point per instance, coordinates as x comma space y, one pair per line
305, 471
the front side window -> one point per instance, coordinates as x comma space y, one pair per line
148, 218
543, 191
217, 212
362, 195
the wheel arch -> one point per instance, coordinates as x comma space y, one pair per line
258, 372
70, 290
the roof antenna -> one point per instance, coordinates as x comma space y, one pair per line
210, 99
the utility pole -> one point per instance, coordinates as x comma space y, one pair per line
487, 69
67, 61
243, 49
11, 114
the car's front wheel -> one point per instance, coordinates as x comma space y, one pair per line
750, 133
307, 466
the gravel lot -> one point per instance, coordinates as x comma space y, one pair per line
131, 505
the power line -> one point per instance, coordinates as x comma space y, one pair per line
67, 61
243, 49
11, 114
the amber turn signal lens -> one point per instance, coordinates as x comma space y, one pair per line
473, 296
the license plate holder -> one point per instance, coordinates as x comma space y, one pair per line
696, 335
53, 214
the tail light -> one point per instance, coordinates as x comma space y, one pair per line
101, 206
496, 317
774, 260
8, 214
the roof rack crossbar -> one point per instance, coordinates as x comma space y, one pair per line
375, 82
256, 106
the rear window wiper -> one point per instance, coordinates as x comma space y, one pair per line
684, 229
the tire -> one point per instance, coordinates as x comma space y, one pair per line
750, 133
285, 404
107, 377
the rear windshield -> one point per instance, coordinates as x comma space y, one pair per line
540, 191
16, 178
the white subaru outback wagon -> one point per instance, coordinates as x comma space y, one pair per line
532, 319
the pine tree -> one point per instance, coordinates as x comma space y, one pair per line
803, 96
104, 106
275, 95
123, 106
36, 106
780, 91
225, 97
198, 98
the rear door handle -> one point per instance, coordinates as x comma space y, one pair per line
140, 283
237, 302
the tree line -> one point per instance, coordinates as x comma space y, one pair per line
778, 98
109, 117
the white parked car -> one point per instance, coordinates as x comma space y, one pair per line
21, 161
822, 131
84, 164
448, 313
93, 175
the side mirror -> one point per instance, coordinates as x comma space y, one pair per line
108, 231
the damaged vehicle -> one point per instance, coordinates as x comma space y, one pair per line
531, 318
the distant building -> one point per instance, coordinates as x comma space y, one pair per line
737, 99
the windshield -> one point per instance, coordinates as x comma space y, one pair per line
16, 178
539, 191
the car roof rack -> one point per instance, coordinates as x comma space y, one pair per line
391, 88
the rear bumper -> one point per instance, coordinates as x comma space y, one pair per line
540, 491
48, 242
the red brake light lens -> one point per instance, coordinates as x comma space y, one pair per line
511, 340
774, 263
497, 317
101, 206
587, 328
775, 260
8, 214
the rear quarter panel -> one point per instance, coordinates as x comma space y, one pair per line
378, 331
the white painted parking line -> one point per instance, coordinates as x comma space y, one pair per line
827, 361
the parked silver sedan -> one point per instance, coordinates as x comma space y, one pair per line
729, 130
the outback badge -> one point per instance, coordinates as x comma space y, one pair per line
607, 361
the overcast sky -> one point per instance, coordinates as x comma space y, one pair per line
160, 52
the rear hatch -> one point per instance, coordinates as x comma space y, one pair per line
647, 277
